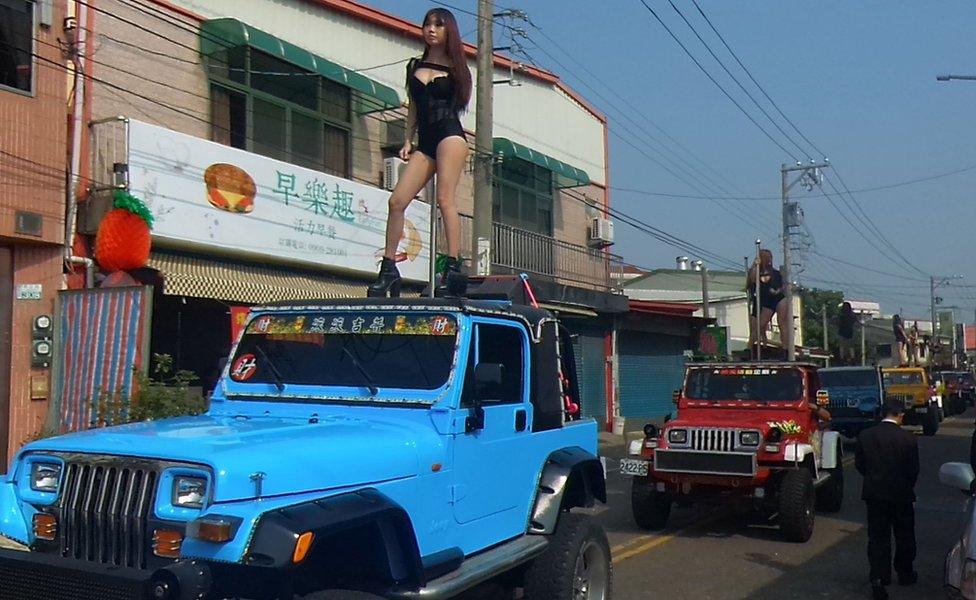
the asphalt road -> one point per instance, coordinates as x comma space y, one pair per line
714, 553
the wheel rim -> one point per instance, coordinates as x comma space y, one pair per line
591, 577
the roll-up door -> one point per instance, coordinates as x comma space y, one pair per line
651, 367
588, 350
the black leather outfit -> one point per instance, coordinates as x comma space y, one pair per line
437, 110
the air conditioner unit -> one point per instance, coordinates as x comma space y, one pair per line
601, 232
392, 169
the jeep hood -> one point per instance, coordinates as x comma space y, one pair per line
294, 454
734, 419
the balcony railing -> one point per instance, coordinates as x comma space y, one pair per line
515, 250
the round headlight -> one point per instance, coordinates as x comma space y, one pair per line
749, 438
775, 435
45, 477
678, 436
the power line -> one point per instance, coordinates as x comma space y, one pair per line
713, 80
735, 79
761, 89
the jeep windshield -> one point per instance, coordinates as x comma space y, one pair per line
848, 378
903, 378
367, 350
750, 384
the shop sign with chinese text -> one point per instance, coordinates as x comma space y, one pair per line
205, 195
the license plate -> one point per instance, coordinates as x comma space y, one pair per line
630, 466
922, 409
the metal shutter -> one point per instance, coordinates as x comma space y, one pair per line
588, 351
651, 366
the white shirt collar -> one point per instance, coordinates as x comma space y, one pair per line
889, 421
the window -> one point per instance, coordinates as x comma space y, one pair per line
17, 44
499, 344
271, 107
523, 196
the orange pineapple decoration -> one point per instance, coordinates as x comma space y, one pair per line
123, 241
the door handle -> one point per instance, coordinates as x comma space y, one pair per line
521, 419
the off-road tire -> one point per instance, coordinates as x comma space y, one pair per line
651, 508
339, 595
830, 495
930, 424
797, 505
577, 543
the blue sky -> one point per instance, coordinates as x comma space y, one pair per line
857, 78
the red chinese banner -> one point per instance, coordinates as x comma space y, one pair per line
238, 318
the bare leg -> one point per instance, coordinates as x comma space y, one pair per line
785, 329
418, 172
451, 153
764, 318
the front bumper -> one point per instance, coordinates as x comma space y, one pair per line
36, 576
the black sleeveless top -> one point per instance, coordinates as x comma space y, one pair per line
434, 100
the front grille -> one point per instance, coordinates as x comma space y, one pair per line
105, 504
24, 580
712, 439
705, 463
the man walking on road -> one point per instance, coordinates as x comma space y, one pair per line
887, 457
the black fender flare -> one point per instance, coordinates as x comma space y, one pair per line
570, 477
276, 532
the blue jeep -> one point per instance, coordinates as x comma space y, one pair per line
855, 397
401, 448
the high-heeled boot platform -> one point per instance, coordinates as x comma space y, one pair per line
387, 281
451, 282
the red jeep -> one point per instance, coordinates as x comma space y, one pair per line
750, 431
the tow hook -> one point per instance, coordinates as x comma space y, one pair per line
184, 580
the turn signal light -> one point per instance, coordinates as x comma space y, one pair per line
216, 530
302, 545
45, 526
167, 542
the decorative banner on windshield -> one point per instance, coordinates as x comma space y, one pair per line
354, 323
745, 371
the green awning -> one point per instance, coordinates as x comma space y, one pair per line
566, 175
221, 34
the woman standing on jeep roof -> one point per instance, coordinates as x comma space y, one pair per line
439, 88
901, 340
771, 299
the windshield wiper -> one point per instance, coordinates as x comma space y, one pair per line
373, 390
279, 380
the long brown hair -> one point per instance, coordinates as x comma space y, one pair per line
455, 51
765, 263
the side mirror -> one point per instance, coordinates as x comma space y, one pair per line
823, 398
488, 381
958, 475
676, 396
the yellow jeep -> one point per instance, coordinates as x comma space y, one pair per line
911, 386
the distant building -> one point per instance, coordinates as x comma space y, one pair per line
727, 298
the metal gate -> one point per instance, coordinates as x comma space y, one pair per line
101, 336
651, 366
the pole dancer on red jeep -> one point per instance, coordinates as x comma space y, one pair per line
770, 299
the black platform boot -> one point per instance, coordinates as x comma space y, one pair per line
451, 282
388, 281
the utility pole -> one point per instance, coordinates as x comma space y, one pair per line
809, 176
704, 276
934, 283
864, 354
482, 221
823, 313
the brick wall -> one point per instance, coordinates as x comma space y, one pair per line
32, 265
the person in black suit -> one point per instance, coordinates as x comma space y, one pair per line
887, 457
